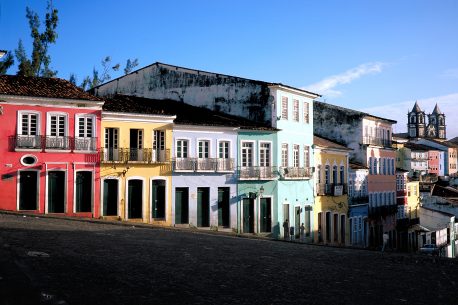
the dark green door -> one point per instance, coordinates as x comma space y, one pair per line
158, 199
297, 221
56, 192
83, 191
110, 197
28, 190
266, 215
203, 207
181, 205
248, 215
223, 206
135, 198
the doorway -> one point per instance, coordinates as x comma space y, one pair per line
83, 191
135, 198
110, 197
56, 192
203, 207
248, 215
158, 199
223, 207
266, 215
28, 190
181, 205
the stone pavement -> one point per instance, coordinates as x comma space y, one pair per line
60, 261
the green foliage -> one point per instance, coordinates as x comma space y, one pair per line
130, 65
38, 63
6, 63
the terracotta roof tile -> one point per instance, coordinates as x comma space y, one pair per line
42, 87
322, 142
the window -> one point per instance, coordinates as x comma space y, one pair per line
264, 154
85, 126
370, 166
204, 149
57, 125
342, 174
319, 174
306, 112
28, 124
223, 150
384, 166
374, 170
247, 154
159, 145
306, 156
326, 175
284, 108
296, 155
182, 149
334, 174
284, 155
296, 110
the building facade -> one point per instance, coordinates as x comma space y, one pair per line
50, 161
358, 205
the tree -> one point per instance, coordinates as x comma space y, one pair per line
130, 65
38, 64
6, 63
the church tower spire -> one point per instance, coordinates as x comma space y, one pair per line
416, 124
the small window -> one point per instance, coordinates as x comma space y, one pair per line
29, 160
306, 112
296, 110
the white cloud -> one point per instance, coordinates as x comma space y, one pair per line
448, 104
450, 73
326, 86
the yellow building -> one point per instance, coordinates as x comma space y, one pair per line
413, 199
135, 168
331, 200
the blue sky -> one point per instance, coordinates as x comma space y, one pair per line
376, 56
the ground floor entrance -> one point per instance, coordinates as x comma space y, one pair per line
135, 198
181, 205
56, 192
110, 197
28, 190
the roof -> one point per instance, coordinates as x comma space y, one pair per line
454, 140
185, 114
218, 74
401, 170
356, 165
416, 108
437, 110
418, 147
353, 112
42, 87
402, 135
322, 142
444, 191
444, 143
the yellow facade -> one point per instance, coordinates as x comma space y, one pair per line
413, 199
136, 152
331, 200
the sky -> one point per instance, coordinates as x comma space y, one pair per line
374, 56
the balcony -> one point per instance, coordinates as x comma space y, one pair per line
203, 165
329, 189
137, 155
377, 141
358, 200
257, 173
383, 211
296, 172
53, 143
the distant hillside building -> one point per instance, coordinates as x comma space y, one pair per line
417, 127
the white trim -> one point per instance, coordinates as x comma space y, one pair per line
175, 147
18, 175
127, 196
86, 115
51, 102
65, 188
270, 151
254, 161
307, 94
118, 206
92, 187
198, 140
167, 199
27, 156
108, 116
259, 213
48, 122
19, 120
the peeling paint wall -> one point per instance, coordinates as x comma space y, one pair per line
233, 95
340, 125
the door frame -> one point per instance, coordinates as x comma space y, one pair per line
65, 187
254, 218
258, 208
167, 198
126, 208
102, 212
92, 189
18, 187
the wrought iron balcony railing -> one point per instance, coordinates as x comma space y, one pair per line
329, 189
377, 141
56, 143
225, 165
296, 172
257, 172
142, 155
203, 164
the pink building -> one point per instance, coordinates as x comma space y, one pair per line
49, 161
436, 164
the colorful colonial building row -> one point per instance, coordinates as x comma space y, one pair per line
198, 149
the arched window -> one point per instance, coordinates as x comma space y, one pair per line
412, 118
